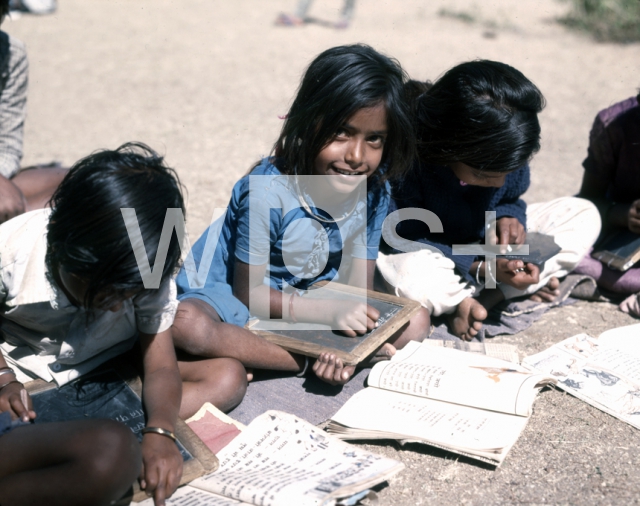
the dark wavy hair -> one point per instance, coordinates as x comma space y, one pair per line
339, 82
87, 234
4, 9
482, 113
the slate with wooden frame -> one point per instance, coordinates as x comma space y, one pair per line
312, 339
114, 392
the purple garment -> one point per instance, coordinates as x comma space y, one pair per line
615, 281
614, 150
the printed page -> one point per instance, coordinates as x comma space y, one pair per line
507, 352
626, 339
280, 459
459, 428
604, 377
189, 496
458, 377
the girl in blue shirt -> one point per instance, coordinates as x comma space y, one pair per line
285, 229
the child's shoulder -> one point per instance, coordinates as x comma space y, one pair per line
31, 223
265, 167
10, 47
24, 237
606, 116
265, 183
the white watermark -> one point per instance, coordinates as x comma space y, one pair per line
299, 229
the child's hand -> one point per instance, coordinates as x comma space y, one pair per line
510, 231
353, 318
330, 369
161, 467
634, 217
516, 273
15, 399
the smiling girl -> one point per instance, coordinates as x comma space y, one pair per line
298, 218
477, 128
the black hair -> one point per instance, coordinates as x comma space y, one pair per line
4, 9
482, 113
339, 82
87, 234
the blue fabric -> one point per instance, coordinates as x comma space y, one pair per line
460, 208
314, 250
5, 422
7, 425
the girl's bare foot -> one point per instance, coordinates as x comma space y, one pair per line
467, 320
329, 368
547, 293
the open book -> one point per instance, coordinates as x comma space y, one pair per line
281, 460
467, 403
603, 372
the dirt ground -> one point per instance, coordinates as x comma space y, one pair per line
203, 81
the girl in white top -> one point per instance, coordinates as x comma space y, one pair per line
72, 297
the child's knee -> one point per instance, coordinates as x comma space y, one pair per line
111, 457
193, 324
227, 383
421, 322
234, 381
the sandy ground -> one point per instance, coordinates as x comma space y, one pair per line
203, 81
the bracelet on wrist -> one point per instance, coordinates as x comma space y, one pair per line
161, 431
478, 272
493, 278
292, 315
7, 370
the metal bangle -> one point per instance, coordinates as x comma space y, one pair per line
305, 368
478, 272
6, 370
493, 278
161, 431
292, 315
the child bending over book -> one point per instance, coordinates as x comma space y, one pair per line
72, 297
612, 182
477, 128
348, 131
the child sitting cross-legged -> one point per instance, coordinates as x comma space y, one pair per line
612, 182
348, 131
477, 128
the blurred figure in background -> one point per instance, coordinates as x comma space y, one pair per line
29, 188
300, 16
33, 6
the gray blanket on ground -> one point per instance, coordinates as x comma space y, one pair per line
316, 401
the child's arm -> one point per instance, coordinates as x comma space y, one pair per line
162, 392
362, 270
620, 215
350, 317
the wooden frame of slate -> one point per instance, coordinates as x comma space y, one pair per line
115, 392
312, 339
